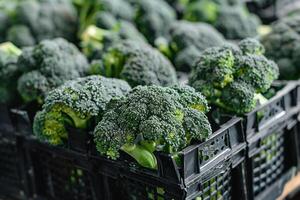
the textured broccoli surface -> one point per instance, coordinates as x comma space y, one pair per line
54, 61
231, 18
76, 103
283, 45
138, 64
231, 77
188, 40
33, 21
153, 18
8, 71
152, 118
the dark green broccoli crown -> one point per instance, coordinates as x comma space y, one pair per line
138, 64
257, 71
45, 20
185, 34
282, 45
75, 103
188, 39
151, 113
56, 59
231, 18
235, 23
251, 46
238, 96
215, 65
9, 71
153, 18
128, 31
20, 35
221, 69
33, 86
196, 125
119, 8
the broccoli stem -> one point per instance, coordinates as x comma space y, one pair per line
77, 122
260, 98
142, 155
10, 48
113, 64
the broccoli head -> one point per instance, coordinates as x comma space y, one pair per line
48, 65
39, 20
282, 45
20, 35
76, 103
231, 18
138, 64
231, 77
9, 72
152, 118
153, 18
188, 40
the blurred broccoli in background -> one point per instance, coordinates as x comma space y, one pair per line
187, 41
77, 103
230, 17
233, 78
153, 18
137, 63
48, 65
103, 13
283, 45
95, 41
9, 72
152, 118
31, 21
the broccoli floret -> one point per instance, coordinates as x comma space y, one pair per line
238, 97
282, 45
127, 30
152, 118
153, 18
232, 77
45, 19
54, 61
188, 40
75, 103
236, 23
8, 71
20, 35
119, 8
138, 64
231, 18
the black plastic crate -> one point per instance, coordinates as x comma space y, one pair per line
208, 170
58, 173
272, 157
286, 99
13, 182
